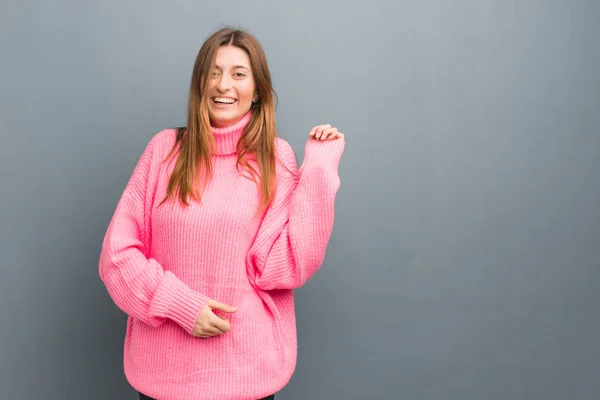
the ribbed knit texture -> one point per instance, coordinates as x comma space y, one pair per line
161, 264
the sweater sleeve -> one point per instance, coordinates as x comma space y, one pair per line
291, 242
138, 284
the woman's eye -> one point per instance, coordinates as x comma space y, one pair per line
239, 74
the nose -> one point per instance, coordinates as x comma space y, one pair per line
224, 83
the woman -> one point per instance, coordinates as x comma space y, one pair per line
215, 227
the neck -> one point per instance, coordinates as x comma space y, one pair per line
226, 138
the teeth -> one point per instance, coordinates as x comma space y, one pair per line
224, 100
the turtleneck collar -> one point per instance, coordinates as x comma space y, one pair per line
226, 139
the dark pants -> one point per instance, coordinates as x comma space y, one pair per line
144, 397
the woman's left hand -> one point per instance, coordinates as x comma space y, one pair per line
325, 132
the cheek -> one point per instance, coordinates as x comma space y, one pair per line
248, 92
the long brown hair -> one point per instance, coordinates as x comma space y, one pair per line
195, 141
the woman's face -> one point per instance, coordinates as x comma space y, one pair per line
231, 87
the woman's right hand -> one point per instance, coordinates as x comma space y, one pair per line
210, 324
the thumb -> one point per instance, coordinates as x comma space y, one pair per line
222, 307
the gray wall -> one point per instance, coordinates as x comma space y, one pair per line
464, 262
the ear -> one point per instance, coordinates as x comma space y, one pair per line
255, 98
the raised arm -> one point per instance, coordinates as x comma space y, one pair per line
291, 243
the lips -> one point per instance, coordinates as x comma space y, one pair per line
224, 100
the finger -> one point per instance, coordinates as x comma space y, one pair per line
315, 130
213, 331
200, 334
210, 330
223, 307
336, 136
318, 133
324, 128
224, 317
321, 132
312, 132
333, 134
222, 325
328, 133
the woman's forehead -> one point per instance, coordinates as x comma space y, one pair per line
231, 57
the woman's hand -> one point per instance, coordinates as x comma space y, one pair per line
325, 132
209, 324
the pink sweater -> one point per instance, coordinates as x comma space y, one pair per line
161, 264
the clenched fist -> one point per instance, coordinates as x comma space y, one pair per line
209, 324
325, 132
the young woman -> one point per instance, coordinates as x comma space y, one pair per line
215, 228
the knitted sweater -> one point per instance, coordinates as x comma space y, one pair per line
160, 265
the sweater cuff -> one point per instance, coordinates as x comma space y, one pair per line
176, 301
325, 153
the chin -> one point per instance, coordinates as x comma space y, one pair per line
221, 119
224, 119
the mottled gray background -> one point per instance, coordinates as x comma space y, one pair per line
464, 264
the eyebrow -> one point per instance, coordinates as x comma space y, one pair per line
234, 67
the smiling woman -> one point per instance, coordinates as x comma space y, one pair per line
207, 281
232, 87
